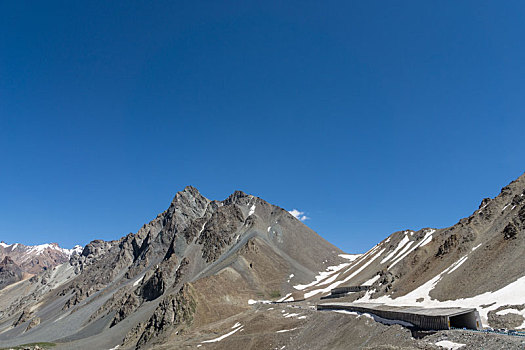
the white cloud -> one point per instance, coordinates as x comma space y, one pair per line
298, 214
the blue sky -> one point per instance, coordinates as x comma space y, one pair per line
368, 116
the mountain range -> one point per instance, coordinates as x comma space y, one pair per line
18, 261
243, 273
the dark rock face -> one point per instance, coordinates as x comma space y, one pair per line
7, 261
521, 215
154, 286
194, 229
131, 304
174, 310
386, 278
513, 228
218, 231
181, 271
449, 243
510, 231
9, 272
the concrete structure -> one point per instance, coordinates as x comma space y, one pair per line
420, 317
342, 291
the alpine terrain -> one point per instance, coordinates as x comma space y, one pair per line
245, 274
18, 261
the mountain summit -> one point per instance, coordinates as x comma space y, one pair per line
198, 261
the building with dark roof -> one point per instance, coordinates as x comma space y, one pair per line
420, 317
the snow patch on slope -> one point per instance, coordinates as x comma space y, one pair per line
239, 327
284, 298
458, 264
39, 249
346, 279
508, 295
251, 302
400, 246
202, 228
286, 330
350, 257
405, 252
447, 344
42, 248
322, 276
371, 281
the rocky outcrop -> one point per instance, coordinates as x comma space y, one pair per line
187, 205
449, 243
34, 322
506, 320
24, 317
250, 246
175, 310
219, 230
81, 291
386, 279
130, 304
154, 286
10, 272
510, 231
182, 270
91, 253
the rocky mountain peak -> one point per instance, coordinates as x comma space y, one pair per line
192, 190
188, 200
484, 202
236, 198
187, 192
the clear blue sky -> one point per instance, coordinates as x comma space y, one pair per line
369, 116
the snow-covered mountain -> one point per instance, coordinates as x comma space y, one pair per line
37, 258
